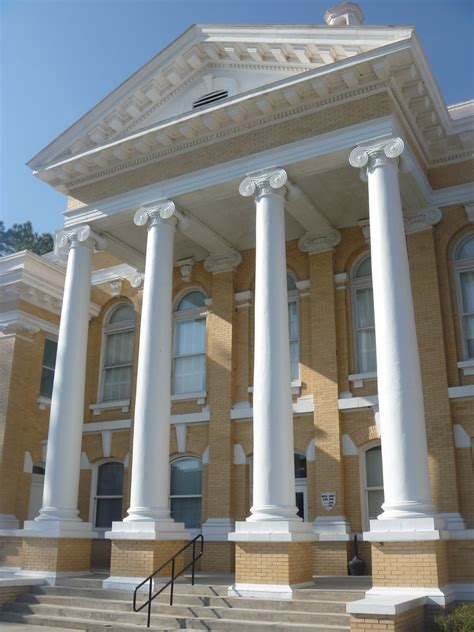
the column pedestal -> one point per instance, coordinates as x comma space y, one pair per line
55, 557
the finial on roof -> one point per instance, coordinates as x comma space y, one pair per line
344, 14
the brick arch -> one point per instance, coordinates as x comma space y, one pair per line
364, 435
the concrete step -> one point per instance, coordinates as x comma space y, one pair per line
179, 615
190, 601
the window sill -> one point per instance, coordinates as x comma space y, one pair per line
295, 387
358, 379
185, 397
467, 366
123, 404
43, 402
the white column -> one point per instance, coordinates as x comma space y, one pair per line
59, 514
402, 418
274, 508
149, 512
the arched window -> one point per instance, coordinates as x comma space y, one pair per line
108, 494
363, 317
189, 347
185, 491
294, 327
117, 353
372, 481
464, 271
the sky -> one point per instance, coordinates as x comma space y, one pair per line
58, 58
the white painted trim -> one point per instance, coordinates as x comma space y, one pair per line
358, 379
267, 591
183, 397
100, 426
43, 402
239, 455
348, 446
461, 438
33, 324
113, 273
467, 366
461, 392
28, 463
348, 404
123, 404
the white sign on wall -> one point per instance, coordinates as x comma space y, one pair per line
328, 500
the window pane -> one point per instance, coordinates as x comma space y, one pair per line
190, 336
117, 383
49, 354
293, 319
375, 499
373, 465
187, 510
189, 375
467, 249
191, 301
290, 282
366, 352
118, 348
122, 314
364, 268
108, 510
365, 307
294, 359
47, 379
300, 466
469, 333
186, 477
467, 291
110, 479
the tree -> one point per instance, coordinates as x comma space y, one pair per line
22, 237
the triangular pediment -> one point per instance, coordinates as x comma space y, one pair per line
207, 59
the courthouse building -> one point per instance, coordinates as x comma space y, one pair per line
257, 324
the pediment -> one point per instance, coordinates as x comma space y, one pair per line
207, 59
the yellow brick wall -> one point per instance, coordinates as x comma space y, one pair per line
330, 558
411, 621
461, 561
423, 564
278, 563
140, 558
55, 554
451, 175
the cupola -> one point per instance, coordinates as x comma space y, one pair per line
344, 14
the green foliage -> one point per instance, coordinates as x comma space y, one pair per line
461, 619
22, 237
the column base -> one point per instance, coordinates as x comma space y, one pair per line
8, 522
56, 529
148, 530
273, 531
409, 529
332, 528
133, 560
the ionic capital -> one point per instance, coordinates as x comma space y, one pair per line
79, 236
264, 182
222, 263
376, 153
320, 242
161, 212
423, 220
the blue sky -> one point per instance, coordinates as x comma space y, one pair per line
58, 58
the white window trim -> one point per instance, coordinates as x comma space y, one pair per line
357, 284
364, 498
190, 314
293, 297
459, 266
182, 457
100, 531
124, 404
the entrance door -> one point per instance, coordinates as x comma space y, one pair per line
301, 497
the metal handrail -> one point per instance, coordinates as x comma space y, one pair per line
174, 576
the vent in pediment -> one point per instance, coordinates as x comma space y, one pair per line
210, 97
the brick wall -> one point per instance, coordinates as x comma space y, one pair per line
411, 621
278, 563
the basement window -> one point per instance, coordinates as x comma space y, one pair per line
210, 97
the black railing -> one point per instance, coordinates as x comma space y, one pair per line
174, 575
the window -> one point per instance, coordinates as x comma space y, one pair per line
301, 486
189, 347
185, 492
47, 370
363, 311
464, 270
108, 494
118, 353
373, 482
294, 327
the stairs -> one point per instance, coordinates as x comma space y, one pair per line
82, 604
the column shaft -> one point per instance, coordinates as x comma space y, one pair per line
151, 432
404, 448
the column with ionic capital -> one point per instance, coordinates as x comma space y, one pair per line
149, 512
274, 508
408, 504
59, 515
